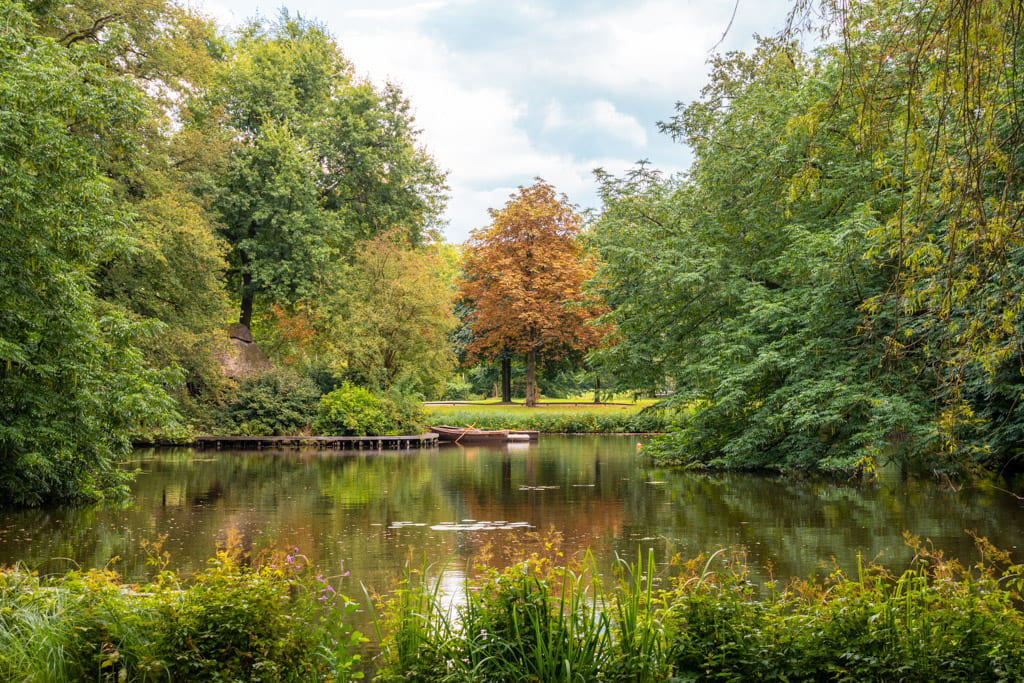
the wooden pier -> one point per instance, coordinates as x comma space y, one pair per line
342, 443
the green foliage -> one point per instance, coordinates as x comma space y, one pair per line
72, 382
277, 622
937, 621
836, 280
278, 402
318, 161
395, 310
934, 622
529, 622
555, 420
231, 622
743, 284
356, 411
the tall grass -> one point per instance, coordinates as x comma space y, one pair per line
935, 622
531, 622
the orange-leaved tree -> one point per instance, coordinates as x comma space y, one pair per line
522, 279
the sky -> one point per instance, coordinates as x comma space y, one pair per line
504, 92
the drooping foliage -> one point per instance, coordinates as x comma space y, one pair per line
836, 278
523, 279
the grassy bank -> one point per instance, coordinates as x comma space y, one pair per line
276, 622
558, 418
935, 622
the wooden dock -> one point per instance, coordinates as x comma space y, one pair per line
342, 443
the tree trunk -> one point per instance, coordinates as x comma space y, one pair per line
506, 380
597, 389
531, 379
245, 316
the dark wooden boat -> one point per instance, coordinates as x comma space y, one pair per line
448, 434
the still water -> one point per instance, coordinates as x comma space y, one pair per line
369, 513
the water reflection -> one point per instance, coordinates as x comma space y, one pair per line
373, 512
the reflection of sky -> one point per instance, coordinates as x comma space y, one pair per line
505, 91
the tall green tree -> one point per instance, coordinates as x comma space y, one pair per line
72, 385
744, 280
172, 269
840, 277
321, 160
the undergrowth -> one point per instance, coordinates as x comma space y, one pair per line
274, 620
937, 621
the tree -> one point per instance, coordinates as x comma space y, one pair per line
171, 270
837, 280
320, 160
523, 278
389, 325
72, 385
743, 282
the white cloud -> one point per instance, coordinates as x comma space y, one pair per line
481, 103
597, 115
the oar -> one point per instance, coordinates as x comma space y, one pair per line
464, 432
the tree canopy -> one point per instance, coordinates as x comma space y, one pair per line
834, 283
72, 384
319, 160
523, 278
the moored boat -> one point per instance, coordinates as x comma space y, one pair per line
448, 434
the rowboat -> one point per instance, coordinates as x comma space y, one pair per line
449, 434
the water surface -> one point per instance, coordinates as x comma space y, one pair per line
370, 512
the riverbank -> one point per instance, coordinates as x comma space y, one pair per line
554, 418
276, 617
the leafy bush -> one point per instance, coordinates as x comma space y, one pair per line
356, 411
457, 389
276, 622
264, 624
278, 402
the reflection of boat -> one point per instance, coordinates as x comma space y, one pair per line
448, 434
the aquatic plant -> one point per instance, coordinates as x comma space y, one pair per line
938, 621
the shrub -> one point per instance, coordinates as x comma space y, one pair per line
457, 389
270, 623
277, 622
356, 411
278, 402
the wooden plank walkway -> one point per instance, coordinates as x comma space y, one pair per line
348, 443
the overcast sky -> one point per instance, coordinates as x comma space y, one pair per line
507, 91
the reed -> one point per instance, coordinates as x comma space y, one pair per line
935, 622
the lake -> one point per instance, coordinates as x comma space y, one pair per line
370, 513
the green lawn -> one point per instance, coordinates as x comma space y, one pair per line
563, 416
